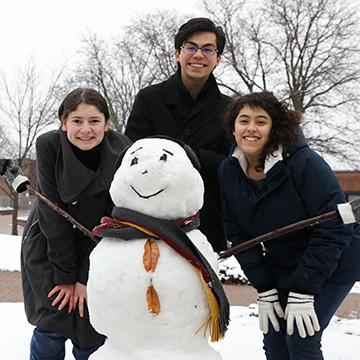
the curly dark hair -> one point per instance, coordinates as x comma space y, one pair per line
285, 122
200, 25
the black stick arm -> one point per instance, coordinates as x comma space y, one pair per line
21, 183
64, 214
279, 232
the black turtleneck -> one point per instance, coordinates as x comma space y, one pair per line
90, 158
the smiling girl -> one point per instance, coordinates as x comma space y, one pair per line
273, 179
75, 166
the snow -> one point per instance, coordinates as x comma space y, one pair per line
155, 178
243, 339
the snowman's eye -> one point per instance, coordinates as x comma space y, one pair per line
163, 157
134, 161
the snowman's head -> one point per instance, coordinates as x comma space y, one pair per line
156, 177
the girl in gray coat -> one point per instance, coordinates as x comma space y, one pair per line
75, 166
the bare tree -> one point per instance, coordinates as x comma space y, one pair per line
307, 52
316, 43
27, 108
143, 55
247, 64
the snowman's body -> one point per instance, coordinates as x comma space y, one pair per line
118, 281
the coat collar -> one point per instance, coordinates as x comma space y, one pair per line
74, 179
270, 161
176, 91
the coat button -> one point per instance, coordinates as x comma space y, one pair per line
188, 131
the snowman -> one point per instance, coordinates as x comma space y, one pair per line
153, 288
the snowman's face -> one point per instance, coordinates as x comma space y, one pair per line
157, 178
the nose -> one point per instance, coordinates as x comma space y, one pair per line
251, 126
198, 53
85, 127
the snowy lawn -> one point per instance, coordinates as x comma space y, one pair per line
243, 340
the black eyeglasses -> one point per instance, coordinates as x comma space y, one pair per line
206, 50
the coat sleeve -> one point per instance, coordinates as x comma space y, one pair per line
320, 193
139, 124
60, 235
253, 262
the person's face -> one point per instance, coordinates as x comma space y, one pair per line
198, 66
252, 130
85, 127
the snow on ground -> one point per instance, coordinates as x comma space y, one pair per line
242, 341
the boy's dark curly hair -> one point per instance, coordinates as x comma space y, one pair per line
285, 122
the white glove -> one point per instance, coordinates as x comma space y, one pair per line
268, 305
300, 309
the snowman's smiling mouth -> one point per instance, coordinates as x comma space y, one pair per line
147, 196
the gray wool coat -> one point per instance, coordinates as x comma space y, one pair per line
53, 252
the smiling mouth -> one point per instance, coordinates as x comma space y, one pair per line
197, 66
147, 196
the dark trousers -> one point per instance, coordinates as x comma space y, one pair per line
47, 345
280, 346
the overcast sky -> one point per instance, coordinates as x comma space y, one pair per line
50, 31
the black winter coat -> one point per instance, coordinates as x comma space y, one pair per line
298, 186
53, 252
168, 109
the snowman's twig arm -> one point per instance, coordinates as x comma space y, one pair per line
64, 214
348, 212
20, 183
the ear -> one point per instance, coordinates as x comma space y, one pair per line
107, 125
218, 59
63, 125
177, 55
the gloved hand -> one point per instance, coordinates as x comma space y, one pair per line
13, 175
268, 308
300, 309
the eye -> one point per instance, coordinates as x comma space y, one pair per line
163, 157
191, 49
207, 50
134, 161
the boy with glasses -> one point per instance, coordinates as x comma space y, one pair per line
189, 106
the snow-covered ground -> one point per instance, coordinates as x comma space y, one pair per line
242, 341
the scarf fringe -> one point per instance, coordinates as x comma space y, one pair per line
213, 321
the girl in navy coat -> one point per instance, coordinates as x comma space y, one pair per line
273, 179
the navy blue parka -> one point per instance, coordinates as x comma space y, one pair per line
299, 184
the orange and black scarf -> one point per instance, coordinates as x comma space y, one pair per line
129, 224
